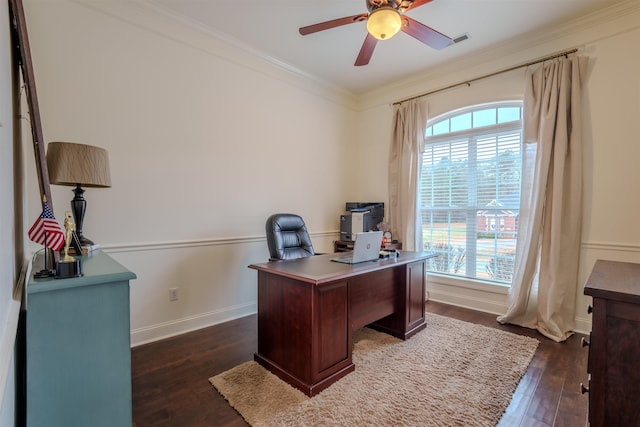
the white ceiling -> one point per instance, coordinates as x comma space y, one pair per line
270, 28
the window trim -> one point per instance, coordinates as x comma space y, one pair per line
467, 283
506, 127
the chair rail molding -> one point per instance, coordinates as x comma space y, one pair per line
221, 241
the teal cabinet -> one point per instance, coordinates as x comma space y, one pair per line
78, 357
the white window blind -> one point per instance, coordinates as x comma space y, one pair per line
469, 191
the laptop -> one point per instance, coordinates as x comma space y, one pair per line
365, 248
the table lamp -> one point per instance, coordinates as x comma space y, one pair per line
79, 165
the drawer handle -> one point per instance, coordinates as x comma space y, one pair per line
589, 309
583, 389
584, 342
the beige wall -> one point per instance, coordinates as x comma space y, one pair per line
611, 128
206, 141
203, 146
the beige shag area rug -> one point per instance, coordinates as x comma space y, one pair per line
453, 373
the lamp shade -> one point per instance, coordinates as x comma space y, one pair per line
384, 23
71, 164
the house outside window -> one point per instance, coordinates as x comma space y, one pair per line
469, 192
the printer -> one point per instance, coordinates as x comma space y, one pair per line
360, 216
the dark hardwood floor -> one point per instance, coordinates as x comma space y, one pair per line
171, 387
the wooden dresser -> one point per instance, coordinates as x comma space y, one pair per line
614, 344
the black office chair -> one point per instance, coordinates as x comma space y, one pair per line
287, 237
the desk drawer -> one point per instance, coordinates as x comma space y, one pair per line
373, 296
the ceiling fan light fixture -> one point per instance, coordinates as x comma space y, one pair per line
384, 23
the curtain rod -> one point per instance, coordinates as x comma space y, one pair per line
468, 82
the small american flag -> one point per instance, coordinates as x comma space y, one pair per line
47, 227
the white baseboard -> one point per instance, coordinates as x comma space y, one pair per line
454, 291
583, 325
460, 299
181, 326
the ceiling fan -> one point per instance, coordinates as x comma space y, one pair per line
384, 20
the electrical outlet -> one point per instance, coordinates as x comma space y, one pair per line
173, 294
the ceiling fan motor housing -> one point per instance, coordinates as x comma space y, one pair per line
377, 4
399, 5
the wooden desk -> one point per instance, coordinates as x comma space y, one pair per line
309, 307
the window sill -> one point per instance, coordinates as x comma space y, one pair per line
461, 282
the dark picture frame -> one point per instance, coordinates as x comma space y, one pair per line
22, 54
20, 41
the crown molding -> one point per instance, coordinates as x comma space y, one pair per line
616, 19
145, 14
148, 16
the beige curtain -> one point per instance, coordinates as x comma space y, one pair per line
542, 294
407, 144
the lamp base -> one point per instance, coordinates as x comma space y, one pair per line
79, 207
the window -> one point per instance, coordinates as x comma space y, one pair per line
469, 191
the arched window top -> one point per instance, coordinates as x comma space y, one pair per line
498, 114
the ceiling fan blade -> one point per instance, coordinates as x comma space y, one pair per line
309, 29
366, 51
426, 35
417, 3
